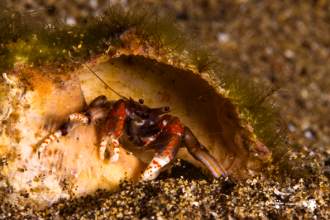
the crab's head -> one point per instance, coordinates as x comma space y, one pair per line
139, 110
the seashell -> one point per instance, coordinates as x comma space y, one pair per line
50, 73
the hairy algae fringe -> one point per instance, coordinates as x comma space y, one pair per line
29, 41
254, 102
252, 98
32, 42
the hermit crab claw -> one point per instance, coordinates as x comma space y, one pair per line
201, 153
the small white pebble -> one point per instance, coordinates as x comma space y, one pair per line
291, 127
304, 93
195, 203
295, 187
70, 21
289, 54
214, 214
269, 50
279, 193
310, 204
309, 134
223, 37
93, 3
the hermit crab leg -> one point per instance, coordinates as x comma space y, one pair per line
113, 130
171, 136
200, 153
74, 120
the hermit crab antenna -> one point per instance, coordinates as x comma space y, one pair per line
97, 76
108, 87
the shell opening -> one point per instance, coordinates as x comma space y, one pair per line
211, 117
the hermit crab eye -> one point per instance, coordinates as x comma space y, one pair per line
141, 101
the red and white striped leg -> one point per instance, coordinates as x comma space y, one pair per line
168, 144
113, 130
74, 120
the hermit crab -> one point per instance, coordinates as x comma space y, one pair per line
65, 133
146, 128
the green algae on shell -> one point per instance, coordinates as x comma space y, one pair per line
230, 115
